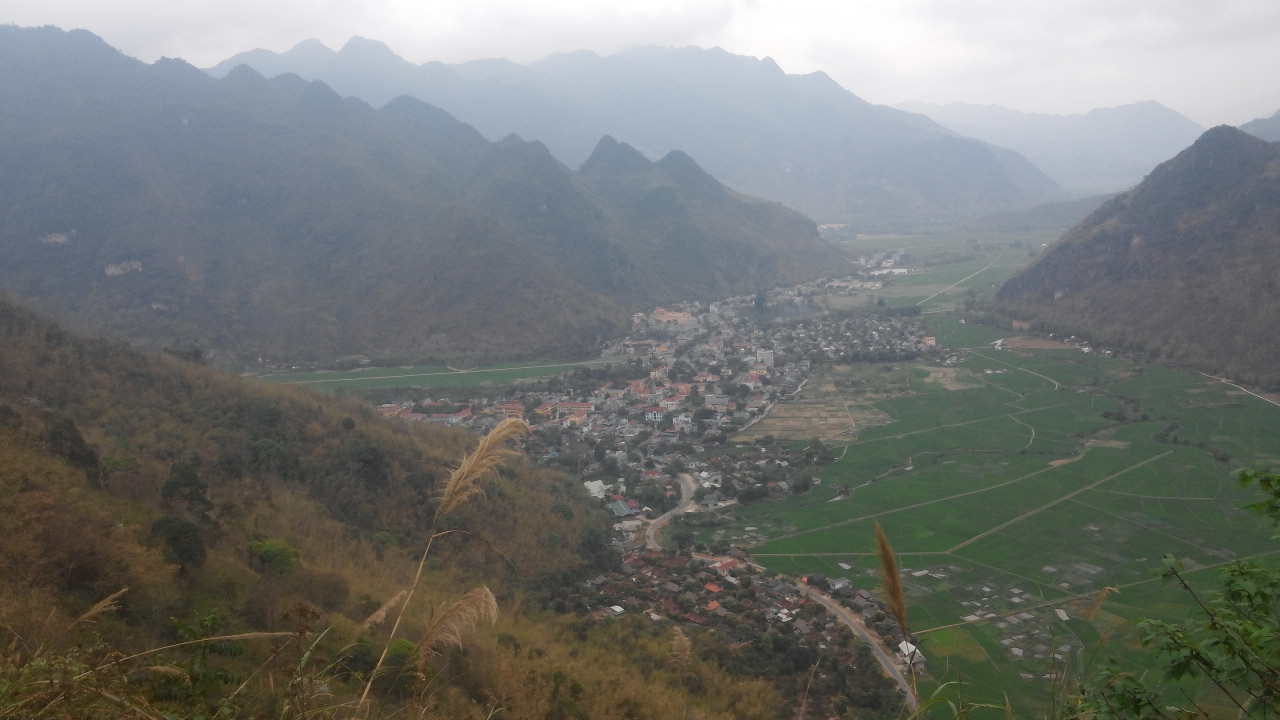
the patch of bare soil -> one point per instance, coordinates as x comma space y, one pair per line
949, 378
1121, 444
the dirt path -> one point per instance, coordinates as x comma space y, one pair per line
1056, 384
967, 422
1264, 399
1046, 506
988, 267
897, 510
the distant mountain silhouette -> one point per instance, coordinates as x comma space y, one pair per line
277, 218
1101, 151
801, 140
1266, 128
1055, 215
1183, 267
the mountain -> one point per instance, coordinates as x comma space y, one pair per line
276, 218
1266, 128
1101, 151
1183, 267
801, 140
1056, 215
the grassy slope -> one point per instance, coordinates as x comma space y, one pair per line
354, 501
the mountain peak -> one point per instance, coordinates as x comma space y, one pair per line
614, 158
365, 47
1182, 267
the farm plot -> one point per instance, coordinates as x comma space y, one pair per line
1022, 484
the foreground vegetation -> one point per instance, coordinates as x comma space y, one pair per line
179, 543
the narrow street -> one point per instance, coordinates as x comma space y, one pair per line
687, 487
846, 617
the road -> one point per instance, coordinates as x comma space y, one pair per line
847, 618
687, 486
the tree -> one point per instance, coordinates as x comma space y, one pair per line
183, 541
184, 483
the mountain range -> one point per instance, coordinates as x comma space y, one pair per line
277, 218
801, 140
1102, 151
1182, 268
1267, 128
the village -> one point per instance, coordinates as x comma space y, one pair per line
658, 424
687, 379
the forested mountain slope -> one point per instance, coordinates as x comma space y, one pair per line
275, 218
802, 140
1184, 267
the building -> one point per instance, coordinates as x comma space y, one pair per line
764, 357
510, 409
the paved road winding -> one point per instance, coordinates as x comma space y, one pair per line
847, 618
687, 486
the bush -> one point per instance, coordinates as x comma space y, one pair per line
279, 557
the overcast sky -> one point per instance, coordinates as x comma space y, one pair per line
1214, 60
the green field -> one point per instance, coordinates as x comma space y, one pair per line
949, 265
430, 375
1020, 483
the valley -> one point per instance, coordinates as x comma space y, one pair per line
636, 382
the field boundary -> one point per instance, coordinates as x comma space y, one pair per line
1064, 498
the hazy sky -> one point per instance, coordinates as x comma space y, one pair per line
1214, 60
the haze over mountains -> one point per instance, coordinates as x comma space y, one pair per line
802, 140
1102, 151
1183, 267
1267, 128
277, 218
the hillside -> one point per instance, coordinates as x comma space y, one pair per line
1102, 151
1182, 268
1267, 128
801, 140
205, 505
275, 219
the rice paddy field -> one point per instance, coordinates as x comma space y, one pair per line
1012, 502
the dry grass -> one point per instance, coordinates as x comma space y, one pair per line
380, 614
680, 647
891, 580
489, 453
446, 629
1091, 611
104, 605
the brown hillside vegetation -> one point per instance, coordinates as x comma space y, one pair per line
162, 502
227, 507
1182, 268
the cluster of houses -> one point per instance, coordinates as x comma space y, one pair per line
719, 594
